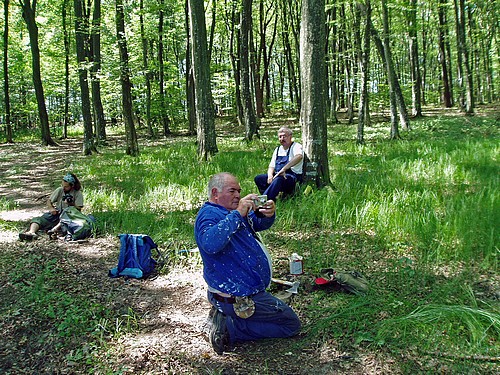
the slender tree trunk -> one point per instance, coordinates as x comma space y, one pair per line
100, 121
390, 72
29, 12
332, 20
465, 72
165, 120
66, 67
207, 145
132, 147
6, 72
249, 116
446, 95
145, 65
81, 34
416, 78
190, 99
364, 59
313, 103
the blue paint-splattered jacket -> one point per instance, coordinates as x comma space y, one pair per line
233, 260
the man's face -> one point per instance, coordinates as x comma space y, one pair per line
285, 139
229, 197
66, 187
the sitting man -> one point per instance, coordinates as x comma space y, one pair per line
285, 168
237, 267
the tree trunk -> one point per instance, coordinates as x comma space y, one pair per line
416, 79
332, 20
145, 65
443, 56
100, 121
464, 69
66, 67
313, 103
81, 35
364, 59
132, 147
190, 100
207, 145
249, 116
391, 74
6, 72
164, 119
29, 12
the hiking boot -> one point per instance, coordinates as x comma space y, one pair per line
28, 236
219, 336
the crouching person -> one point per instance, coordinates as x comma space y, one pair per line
237, 267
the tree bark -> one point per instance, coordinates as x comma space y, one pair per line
443, 56
100, 121
249, 115
313, 102
464, 67
147, 75
81, 35
6, 90
206, 137
363, 62
416, 79
67, 46
164, 119
132, 147
190, 100
29, 12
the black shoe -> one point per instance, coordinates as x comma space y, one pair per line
27, 236
219, 336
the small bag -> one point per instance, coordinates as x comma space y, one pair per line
349, 281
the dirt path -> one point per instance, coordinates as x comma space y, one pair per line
172, 308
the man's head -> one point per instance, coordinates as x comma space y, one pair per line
285, 137
224, 190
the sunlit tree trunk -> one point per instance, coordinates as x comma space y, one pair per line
164, 119
190, 104
81, 35
95, 71
6, 71
313, 101
464, 66
145, 65
67, 51
249, 115
29, 12
364, 59
207, 145
132, 147
443, 55
416, 80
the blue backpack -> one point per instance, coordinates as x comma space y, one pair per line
135, 259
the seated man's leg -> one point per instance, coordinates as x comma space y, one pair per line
272, 319
280, 184
261, 182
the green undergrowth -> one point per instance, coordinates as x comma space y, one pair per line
418, 216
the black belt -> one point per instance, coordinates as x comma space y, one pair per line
220, 298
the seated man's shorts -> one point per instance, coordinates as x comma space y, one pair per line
46, 221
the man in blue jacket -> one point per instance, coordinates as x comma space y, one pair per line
237, 267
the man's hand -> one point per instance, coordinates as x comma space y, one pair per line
246, 204
268, 209
282, 173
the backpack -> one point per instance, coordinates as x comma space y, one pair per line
135, 259
350, 281
76, 224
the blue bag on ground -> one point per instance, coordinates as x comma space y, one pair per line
135, 259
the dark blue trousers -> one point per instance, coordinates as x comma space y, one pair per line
286, 185
272, 319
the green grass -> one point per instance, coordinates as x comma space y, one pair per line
419, 217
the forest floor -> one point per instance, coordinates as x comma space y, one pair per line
172, 308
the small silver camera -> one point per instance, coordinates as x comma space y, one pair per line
260, 201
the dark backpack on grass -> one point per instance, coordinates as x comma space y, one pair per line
136, 257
